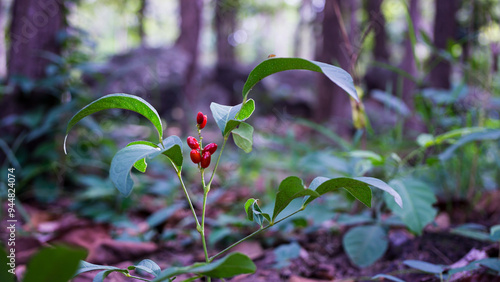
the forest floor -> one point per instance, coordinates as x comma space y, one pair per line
321, 255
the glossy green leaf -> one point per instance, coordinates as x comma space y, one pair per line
126, 158
254, 213
53, 264
377, 183
418, 199
118, 101
364, 245
290, 188
87, 266
229, 117
141, 164
148, 266
229, 266
273, 65
243, 137
425, 266
356, 188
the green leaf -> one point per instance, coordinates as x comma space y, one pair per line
365, 244
148, 266
87, 266
418, 199
270, 66
477, 136
472, 231
141, 164
254, 213
290, 188
229, 266
162, 215
285, 253
243, 137
103, 274
118, 101
126, 158
229, 117
356, 188
491, 263
425, 266
377, 183
495, 233
53, 265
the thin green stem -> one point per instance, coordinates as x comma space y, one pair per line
202, 230
188, 198
136, 277
217, 163
253, 234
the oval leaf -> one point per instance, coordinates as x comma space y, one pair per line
273, 65
148, 266
243, 137
118, 101
229, 117
365, 244
126, 158
377, 183
418, 198
290, 188
425, 266
356, 188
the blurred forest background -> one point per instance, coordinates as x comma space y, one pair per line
423, 67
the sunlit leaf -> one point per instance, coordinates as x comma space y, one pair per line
356, 188
118, 101
229, 117
273, 65
290, 188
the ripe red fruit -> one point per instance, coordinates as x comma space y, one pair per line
199, 118
203, 123
205, 160
193, 143
195, 156
211, 148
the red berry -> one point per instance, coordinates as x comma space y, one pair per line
205, 160
211, 148
204, 122
193, 143
195, 156
199, 118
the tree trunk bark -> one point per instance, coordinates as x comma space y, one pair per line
333, 103
445, 28
408, 64
33, 32
140, 21
188, 40
377, 23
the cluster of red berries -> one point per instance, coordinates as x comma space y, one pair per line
204, 156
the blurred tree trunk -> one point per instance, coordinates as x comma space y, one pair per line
188, 40
33, 31
140, 20
226, 69
332, 102
445, 28
408, 63
378, 77
377, 22
3, 63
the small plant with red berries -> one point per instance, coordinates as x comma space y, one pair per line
230, 121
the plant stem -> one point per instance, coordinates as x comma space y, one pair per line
202, 230
188, 198
136, 277
218, 159
254, 233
